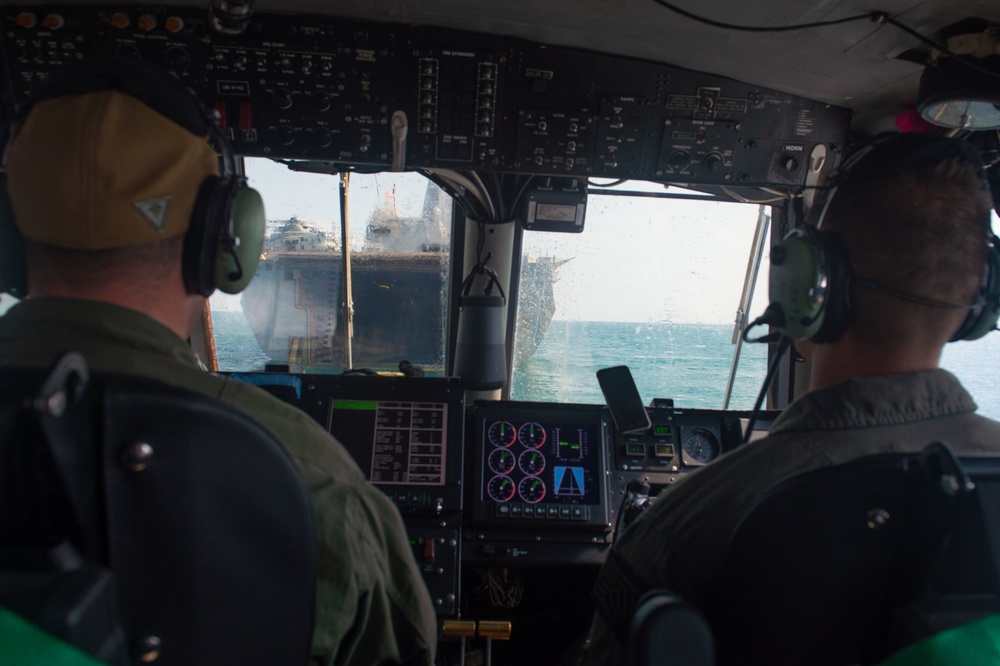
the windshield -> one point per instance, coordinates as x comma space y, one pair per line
652, 283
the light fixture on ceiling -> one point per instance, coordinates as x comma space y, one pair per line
230, 17
964, 94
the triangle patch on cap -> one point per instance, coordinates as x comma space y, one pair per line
154, 210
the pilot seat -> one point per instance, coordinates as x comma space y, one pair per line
141, 523
852, 564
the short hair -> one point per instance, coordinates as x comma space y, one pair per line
139, 267
919, 226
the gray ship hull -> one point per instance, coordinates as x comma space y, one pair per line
293, 306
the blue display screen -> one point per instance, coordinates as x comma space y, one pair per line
533, 461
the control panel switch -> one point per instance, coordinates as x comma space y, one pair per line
246, 116
222, 114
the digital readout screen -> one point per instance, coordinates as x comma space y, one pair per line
535, 462
403, 443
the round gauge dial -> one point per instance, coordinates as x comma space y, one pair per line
531, 435
501, 433
531, 462
701, 446
531, 489
501, 488
502, 461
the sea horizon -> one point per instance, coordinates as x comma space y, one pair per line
687, 363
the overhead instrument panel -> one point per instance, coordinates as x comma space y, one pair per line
378, 96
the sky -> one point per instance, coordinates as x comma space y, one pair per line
648, 260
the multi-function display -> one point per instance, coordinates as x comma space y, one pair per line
540, 462
533, 462
405, 433
406, 442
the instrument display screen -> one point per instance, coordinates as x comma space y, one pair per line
538, 461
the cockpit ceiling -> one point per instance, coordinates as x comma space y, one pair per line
855, 65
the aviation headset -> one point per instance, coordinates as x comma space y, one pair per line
810, 274
225, 233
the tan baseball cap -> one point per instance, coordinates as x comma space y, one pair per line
102, 170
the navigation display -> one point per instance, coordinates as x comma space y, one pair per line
405, 433
540, 462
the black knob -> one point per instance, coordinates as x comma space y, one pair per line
679, 159
283, 98
177, 59
321, 100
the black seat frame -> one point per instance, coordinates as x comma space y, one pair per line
142, 520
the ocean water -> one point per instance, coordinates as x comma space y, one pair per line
235, 346
977, 365
688, 363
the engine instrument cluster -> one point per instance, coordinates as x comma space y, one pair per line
540, 464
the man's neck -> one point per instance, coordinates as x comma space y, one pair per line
848, 358
179, 312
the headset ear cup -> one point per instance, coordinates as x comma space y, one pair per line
215, 255
794, 273
984, 316
838, 288
13, 265
202, 237
237, 258
809, 280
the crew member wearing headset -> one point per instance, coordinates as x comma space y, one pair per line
904, 247
116, 190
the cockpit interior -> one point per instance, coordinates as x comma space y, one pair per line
434, 170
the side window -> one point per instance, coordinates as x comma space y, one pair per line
6, 301
974, 363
